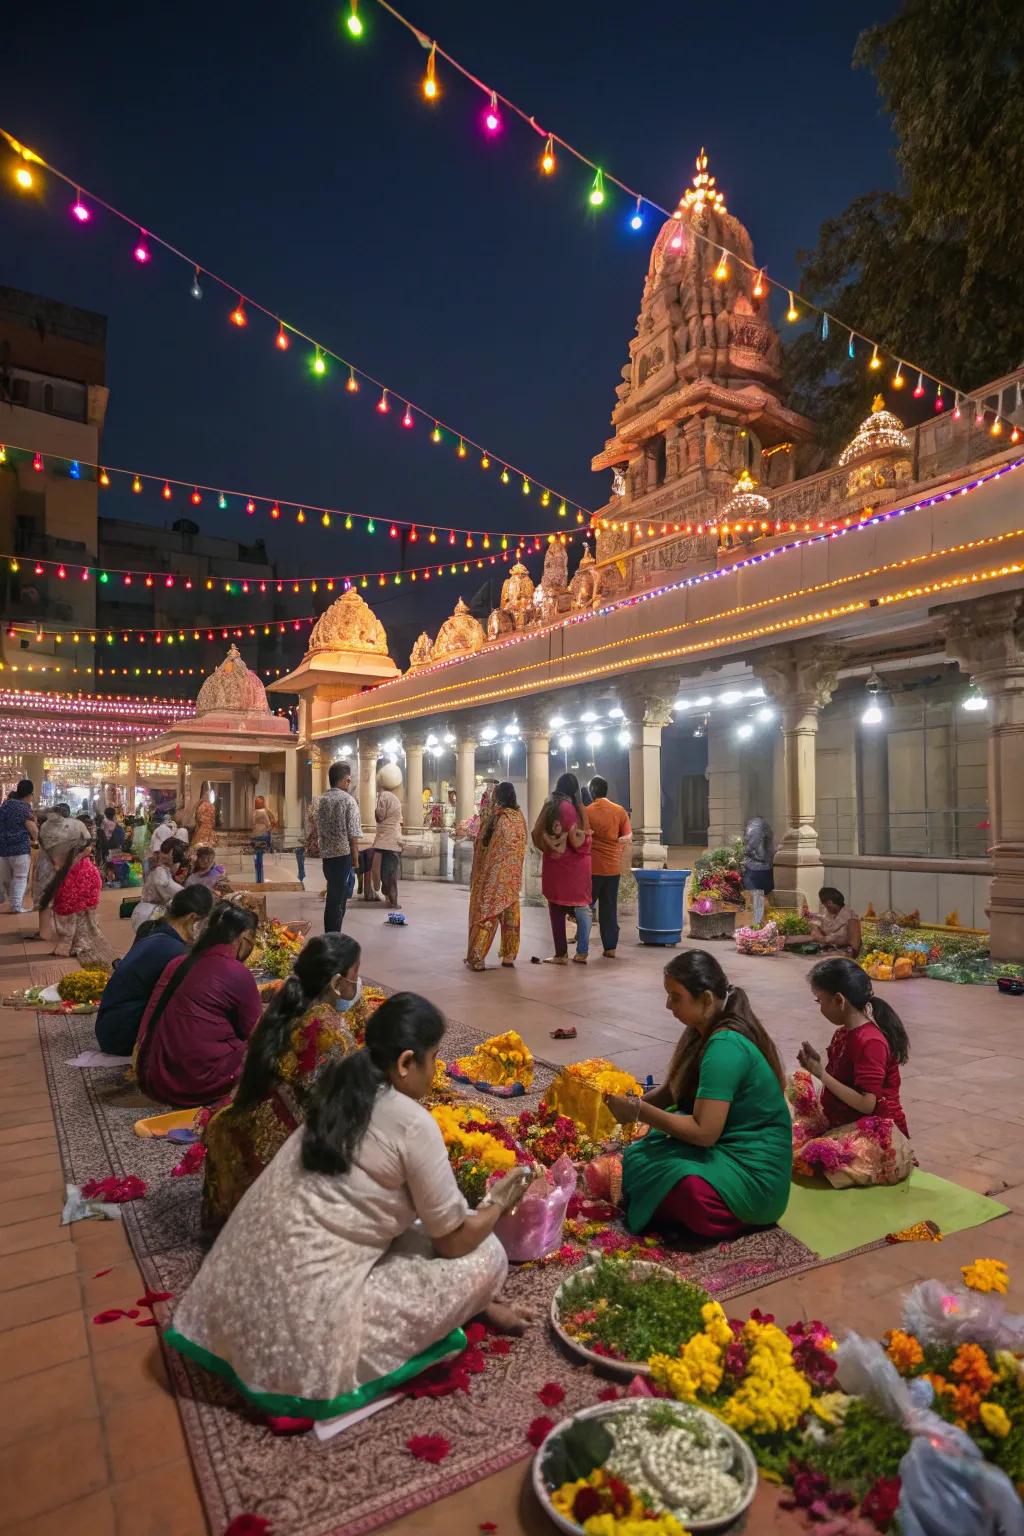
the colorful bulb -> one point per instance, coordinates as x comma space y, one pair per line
637, 220
919, 387
300, 516
759, 285
430, 90
195, 497
275, 511
876, 361
196, 289
383, 404
545, 499
597, 190
722, 270
432, 537
325, 520
250, 507
562, 509
526, 486
492, 117
282, 341
355, 26
940, 404
413, 535
371, 526
407, 419
461, 450
166, 493
238, 314
348, 524
222, 502
898, 380
79, 211
996, 429
23, 176
792, 313
435, 436
319, 366
104, 478
393, 531
352, 383
136, 485
75, 470
485, 462
504, 477
547, 159
141, 252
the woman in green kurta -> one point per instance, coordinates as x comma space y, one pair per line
717, 1157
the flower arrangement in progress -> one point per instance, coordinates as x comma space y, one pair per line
275, 949
478, 1147
83, 988
503, 1061
718, 878
758, 941
623, 1312
548, 1135
579, 1092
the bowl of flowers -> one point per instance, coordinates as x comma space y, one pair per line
620, 1313
673, 1466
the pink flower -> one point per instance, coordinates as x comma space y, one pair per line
113, 1190
608, 1395
551, 1394
432, 1448
192, 1161
538, 1431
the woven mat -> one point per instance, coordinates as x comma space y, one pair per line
364, 1478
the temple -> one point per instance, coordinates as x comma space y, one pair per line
840, 650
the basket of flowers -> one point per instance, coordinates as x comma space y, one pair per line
716, 894
84, 988
275, 949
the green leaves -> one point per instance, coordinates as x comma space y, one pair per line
586, 1444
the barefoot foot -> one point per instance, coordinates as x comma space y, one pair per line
508, 1316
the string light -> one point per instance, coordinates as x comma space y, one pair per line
722, 270
792, 313
352, 383
430, 90
407, 419
166, 493
104, 479
383, 404
919, 387
547, 159
196, 289
142, 252
876, 362
137, 485
78, 209
637, 218
462, 449
282, 343
597, 189
940, 404
759, 284
355, 26
23, 177
898, 381
319, 366
492, 117
238, 314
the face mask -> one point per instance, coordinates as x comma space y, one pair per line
343, 1004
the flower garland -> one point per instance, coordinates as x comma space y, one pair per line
547, 1136
503, 1060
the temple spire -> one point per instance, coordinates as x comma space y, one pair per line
703, 193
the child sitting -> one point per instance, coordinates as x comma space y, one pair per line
856, 1131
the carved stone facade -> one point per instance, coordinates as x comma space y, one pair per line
232, 687
459, 635
349, 624
422, 651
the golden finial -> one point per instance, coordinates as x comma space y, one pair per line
877, 404
703, 193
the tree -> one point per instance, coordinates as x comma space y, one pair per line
932, 269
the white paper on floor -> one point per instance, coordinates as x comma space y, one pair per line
98, 1059
326, 1429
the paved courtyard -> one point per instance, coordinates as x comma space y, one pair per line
91, 1444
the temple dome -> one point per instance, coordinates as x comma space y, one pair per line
232, 687
746, 504
880, 433
459, 635
349, 624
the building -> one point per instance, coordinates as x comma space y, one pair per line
842, 650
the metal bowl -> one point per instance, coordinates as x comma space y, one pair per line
743, 1463
637, 1268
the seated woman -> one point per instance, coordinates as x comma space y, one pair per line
128, 990
194, 1030
159, 888
856, 1131
301, 1031
717, 1158
74, 893
836, 928
206, 871
352, 1263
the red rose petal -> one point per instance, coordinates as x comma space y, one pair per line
101, 1272
432, 1448
248, 1525
538, 1430
152, 1297
475, 1333
500, 1347
608, 1395
281, 1424
551, 1394
147, 1322
111, 1315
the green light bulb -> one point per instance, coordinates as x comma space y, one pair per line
354, 25
319, 366
371, 526
104, 578
222, 501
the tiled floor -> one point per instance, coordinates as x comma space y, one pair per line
90, 1444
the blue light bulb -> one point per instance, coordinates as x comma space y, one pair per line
75, 470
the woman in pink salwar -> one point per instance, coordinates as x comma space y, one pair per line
562, 834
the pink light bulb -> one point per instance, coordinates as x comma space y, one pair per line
407, 418
919, 387
141, 251
492, 117
79, 211
383, 404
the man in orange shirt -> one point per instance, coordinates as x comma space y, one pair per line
610, 829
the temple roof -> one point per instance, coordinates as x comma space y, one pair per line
881, 432
234, 687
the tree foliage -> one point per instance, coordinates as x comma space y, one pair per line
933, 269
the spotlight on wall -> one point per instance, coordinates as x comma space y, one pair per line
765, 716
704, 702
565, 742
593, 738
975, 698
616, 713
488, 733
873, 713
745, 731
730, 696
588, 717
624, 738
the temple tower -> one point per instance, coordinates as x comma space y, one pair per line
700, 399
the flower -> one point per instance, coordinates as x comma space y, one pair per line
903, 1350
432, 1448
774, 1394
995, 1419
248, 1525
880, 1501
551, 1394
114, 1190
970, 1365
538, 1430
193, 1160
986, 1275
830, 1407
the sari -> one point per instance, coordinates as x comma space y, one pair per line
74, 915
495, 883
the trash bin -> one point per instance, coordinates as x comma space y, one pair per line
660, 904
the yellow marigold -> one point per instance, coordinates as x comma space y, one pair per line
903, 1350
987, 1275
716, 1324
563, 1498
610, 1525
830, 1407
970, 1366
774, 1394
1009, 1366
995, 1419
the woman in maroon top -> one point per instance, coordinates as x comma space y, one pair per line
197, 1023
859, 1110
562, 833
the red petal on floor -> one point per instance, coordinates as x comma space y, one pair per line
538, 1430
500, 1347
101, 1272
551, 1394
248, 1525
473, 1362
111, 1315
281, 1424
487, 1525
147, 1322
432, 1448
475, 1333
608, 1395
152, 1297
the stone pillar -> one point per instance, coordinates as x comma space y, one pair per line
986, 639
131, 782
33, 767
465, 778
319, 766
538, 783
799, 679
179, 804
291, 815
648, 714
419, 846
367, 787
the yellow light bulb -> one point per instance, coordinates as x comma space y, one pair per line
876, 361
759, 285
547, 160
23, 176
722, 270
792, 313
430, 89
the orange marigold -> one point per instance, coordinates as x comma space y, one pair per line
970, 1365
939, 1383
966, 1405
903, 1350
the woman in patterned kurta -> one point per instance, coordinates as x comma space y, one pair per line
308, 1023
496, 879
353, 1262
75, 894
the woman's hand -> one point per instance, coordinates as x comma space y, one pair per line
507, 1191
623, 1107
810, 1059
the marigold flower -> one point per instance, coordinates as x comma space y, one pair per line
970, 1366
903, 1350
986, 1275
995, 1419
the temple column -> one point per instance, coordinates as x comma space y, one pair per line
292, 810
465, 778
986, 639
648, 714
33, 767
418, 845
799, 679
319, 768
538, 784
131, 781
367, 787
179, 804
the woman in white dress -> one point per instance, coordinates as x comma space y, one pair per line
159, 887
353, 1261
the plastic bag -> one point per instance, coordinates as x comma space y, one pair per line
535, 1227
947, 1487
949, 1315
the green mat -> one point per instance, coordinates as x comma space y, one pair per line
832, 1221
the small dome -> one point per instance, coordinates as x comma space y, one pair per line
879, 433
349, 624
233, 686
460, 635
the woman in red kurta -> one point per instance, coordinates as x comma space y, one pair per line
859, 1110
203, 1009
562, 833
74, 893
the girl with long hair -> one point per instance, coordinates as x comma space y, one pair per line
562, 834
497, 876
354, 1261
717, 1158
310, 1021
74, 893
202, 1011
855, 1132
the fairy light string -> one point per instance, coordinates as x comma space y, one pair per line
321, 357
603, 179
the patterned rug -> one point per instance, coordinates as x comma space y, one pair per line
365, 1477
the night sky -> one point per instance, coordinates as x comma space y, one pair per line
308, 169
